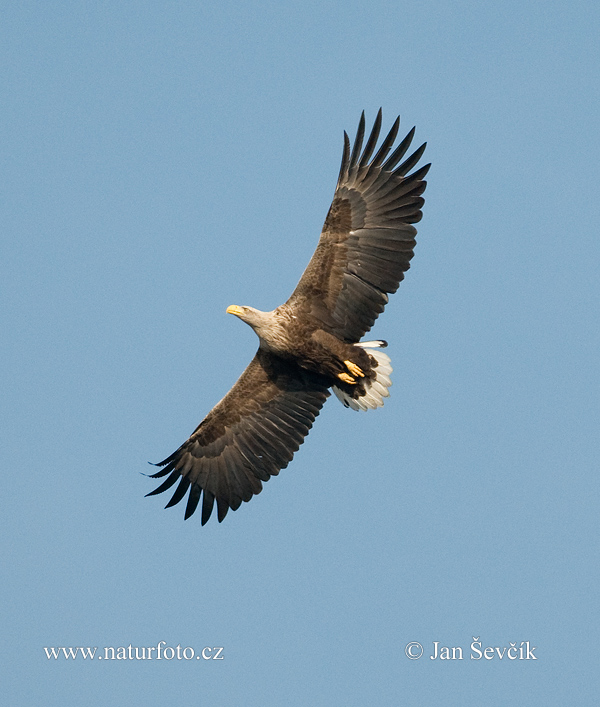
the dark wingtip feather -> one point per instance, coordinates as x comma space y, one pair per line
208, 501
193, 499
409, 163
358, 141
372, 141
222, 508
168, 459
421, 172
345, 158
386, 144
165, 484
163, 472
156, 475
399, 152
180, 492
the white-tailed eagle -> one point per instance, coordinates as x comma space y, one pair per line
311, 344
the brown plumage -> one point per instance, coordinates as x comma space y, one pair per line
311, 343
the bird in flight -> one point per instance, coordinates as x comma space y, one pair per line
311, 344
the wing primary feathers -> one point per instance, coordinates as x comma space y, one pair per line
163, 472
371, 142
166, 484
193, 499
360, 133
208, 501
417, 177
408, 164
180, 491
222, 509
158, 474
169, 459
386, 144
345, 158
399, 152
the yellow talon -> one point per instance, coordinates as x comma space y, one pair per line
346, 378
354, 369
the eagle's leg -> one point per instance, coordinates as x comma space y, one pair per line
346, 378
354, 369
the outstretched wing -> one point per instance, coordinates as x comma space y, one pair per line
246, 438
368, 238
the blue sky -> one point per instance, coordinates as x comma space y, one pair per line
165, 160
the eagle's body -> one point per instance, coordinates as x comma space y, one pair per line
311, 343
298, 337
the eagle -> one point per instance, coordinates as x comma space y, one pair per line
311, 345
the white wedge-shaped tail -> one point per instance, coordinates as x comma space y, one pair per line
377, 388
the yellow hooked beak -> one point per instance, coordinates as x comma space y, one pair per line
234, 309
